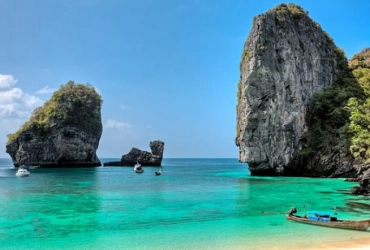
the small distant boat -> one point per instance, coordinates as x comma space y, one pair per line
328, 219
138, 169
22, 172
159, 172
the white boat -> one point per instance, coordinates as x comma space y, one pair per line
138, 168
22, 172
159, 172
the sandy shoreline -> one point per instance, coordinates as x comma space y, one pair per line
340, 241
355, 244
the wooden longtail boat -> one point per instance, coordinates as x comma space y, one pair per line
328, 220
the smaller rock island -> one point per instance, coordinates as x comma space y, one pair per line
63, 133
143, 157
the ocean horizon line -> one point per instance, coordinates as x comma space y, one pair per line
107, 157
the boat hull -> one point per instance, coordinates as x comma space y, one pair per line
138, 169
22, 174
359, 225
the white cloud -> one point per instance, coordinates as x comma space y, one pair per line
115, 124
14, 103
46, 90
7, 81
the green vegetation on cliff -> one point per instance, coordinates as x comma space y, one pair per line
328, 118
72, 105
360, 60
339, 116
360, 108
282, 10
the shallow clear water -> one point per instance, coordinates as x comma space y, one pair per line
194, 204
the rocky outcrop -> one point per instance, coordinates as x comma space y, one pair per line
361, 59
287, 59
363, 179
143, 157
65, 132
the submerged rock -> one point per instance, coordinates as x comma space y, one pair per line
64, 132
143, 157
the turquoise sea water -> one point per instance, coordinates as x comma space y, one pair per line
194, 204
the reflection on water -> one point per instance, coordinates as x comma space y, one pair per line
358, 207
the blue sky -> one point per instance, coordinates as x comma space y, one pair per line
166, 69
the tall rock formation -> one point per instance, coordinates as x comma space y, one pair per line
287, 58
65, 132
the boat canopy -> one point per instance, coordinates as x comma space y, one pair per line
320, 216
321, 213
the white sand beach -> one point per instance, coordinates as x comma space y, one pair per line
356, 244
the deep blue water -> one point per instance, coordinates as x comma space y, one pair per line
194, 204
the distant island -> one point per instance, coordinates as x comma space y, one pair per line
143, 157
64, 132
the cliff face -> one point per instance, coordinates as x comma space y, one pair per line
65, 132
287, 58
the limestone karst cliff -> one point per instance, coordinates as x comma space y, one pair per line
64, 132
287, 59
